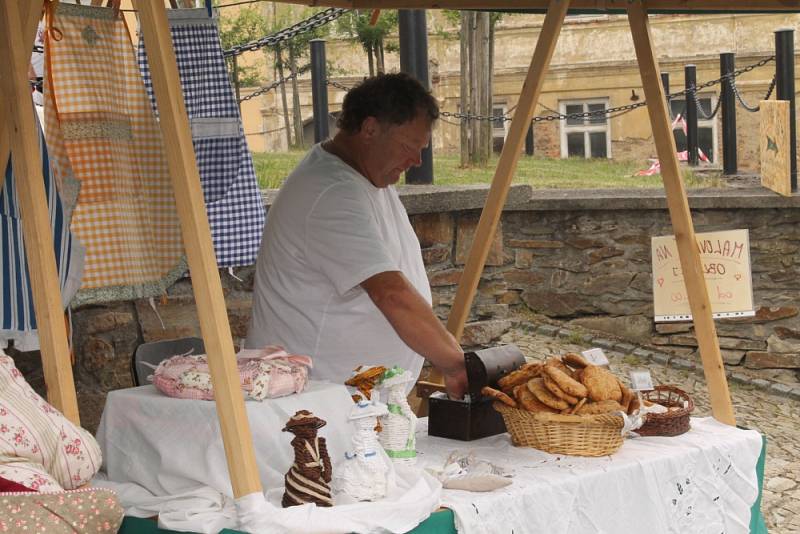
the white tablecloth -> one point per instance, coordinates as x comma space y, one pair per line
701, 482
171, 446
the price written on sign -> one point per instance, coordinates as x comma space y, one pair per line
725, 258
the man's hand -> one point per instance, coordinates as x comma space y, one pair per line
455, 383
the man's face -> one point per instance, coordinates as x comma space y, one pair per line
396, 148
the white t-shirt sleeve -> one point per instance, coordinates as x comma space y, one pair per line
343, 239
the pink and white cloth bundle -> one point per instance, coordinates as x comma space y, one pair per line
264, 374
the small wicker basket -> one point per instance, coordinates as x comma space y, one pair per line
578, 435
672, 423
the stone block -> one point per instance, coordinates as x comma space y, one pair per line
106, 321
483, 332
434, 255
583, 243
596, 256
760, 383
523, 258
465, 236
659, 340
673, 328
624, 348
633, 327
688, 341
766, 314
771, 360
607, 284
534, 243
96, 354
741, 344
786, 333
492, 311
547, 330
731, 357
661, 357
780, 389
777, 344
518, 279
447, 277
509, 297
555, 304
433, 229
643, 353
682, 363
740, 378
603, 343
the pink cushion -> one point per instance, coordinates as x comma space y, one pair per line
264, 373
34, 435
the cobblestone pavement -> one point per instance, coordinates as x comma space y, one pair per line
775, 416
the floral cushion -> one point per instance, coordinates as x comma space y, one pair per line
10, 485
67, 512
264, 373
34, 435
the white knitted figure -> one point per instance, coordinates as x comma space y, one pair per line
400, 424
364, 472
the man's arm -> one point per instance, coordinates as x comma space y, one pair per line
417, 325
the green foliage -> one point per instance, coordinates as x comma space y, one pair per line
248, 25
356, 25
541, 173
299, 44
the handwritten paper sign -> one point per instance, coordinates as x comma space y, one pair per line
595, 356
726, 263
641, 380
775, 146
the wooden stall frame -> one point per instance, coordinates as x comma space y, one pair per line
18, 132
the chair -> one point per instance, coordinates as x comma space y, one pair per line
155, 352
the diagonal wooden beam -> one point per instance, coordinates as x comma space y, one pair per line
33, 209
211, 310
30, 12
487, 225
678, 205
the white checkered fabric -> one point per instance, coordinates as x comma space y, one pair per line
233, 200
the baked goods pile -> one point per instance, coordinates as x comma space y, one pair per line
567, 385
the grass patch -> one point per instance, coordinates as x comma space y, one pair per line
541, 173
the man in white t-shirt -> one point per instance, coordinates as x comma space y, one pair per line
340, 275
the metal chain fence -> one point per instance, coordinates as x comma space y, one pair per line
276, 83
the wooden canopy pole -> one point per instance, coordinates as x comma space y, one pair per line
15, 49
211, 310
721, 406
30, 12
487, 226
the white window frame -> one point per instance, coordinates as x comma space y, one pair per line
705, 123
503, 106
585, 128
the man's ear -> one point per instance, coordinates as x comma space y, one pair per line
370, 127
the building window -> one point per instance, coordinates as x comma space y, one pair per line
499, 126
706, 128
585, 137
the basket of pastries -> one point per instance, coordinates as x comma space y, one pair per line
674, 420
564, 405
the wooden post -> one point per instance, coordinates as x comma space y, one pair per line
506, 166
211, 309
15, 48
706, 333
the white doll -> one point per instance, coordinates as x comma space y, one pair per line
363, 474
399, 425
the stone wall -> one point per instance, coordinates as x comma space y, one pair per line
579, 257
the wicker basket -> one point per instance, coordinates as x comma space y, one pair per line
672, 423
578, 435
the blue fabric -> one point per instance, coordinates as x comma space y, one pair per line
17, 314
233, 200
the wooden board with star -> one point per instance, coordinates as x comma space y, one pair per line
775, 148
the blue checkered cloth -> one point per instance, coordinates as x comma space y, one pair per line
233, 200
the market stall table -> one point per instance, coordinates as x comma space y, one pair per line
707, 480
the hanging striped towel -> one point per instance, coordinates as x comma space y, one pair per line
233, 201
17, 316
100, 123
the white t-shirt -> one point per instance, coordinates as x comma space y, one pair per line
328, 230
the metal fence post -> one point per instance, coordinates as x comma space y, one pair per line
529, 141
665, 85
784, 84
319, 90
727, 64
414, 61
690, 77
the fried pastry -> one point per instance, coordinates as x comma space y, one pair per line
601, 384
498, 395
553, 388
627, 396
555, 361
595, 408
574, 360
520, 376
578, 406
536, 386
634, 405
568, 385
529, 402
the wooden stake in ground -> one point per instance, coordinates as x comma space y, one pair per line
24, 142
211, 309
721, 406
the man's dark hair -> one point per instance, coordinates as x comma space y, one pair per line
391, 98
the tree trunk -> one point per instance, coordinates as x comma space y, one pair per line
379, 53
279, 64
474, 100
296, 112
371, 60
489, 85
464, 87
482, 75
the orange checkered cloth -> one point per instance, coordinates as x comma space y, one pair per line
102, 131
